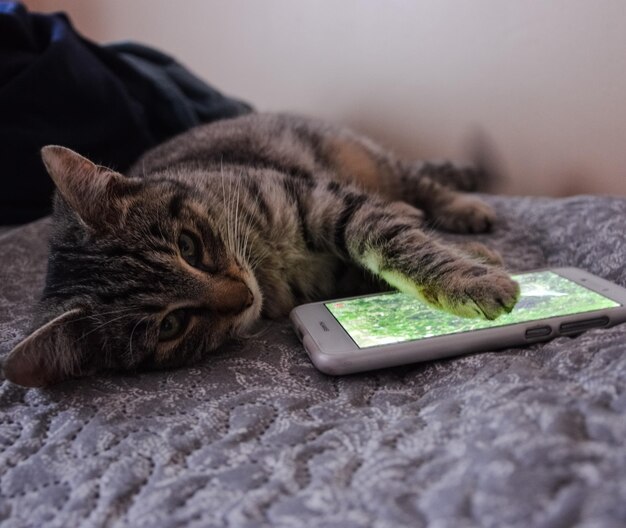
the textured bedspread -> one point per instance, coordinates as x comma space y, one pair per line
257, 437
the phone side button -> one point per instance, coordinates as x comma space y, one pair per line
580, 326
538, 331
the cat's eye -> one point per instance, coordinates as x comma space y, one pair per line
173, 325
189, 248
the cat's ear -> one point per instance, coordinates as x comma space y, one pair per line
92, 191
49, 355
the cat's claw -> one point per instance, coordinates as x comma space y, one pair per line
480, 291
493, 294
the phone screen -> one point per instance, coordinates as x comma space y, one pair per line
397, 317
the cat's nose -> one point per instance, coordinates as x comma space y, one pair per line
232, 297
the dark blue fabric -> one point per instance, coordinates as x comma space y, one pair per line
109, 103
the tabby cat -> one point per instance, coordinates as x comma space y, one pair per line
235, 220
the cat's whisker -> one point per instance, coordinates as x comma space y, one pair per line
224, 211
244, 234
242, 231
248, 247
233, 220
246, 225
227, 212
237, 217
130, 339
106, 323
99, 314
258, 258
229, 216
257, 201
237, 248
246, 244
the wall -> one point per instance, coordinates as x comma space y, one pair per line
544, 81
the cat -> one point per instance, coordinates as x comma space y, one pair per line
235, 220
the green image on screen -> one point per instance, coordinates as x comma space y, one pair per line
396, 317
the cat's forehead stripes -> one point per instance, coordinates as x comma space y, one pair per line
254, 189
175, 205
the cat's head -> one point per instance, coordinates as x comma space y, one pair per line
140, 276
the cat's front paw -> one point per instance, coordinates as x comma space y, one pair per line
477, 291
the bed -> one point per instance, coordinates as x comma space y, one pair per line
256, 436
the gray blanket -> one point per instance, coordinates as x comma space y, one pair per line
257, 437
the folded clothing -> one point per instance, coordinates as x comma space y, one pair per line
110, 103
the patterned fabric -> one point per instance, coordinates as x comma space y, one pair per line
257, 437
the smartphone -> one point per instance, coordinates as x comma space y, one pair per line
388, 329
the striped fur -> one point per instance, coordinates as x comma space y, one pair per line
285, 209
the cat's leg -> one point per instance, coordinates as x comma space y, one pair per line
386, 239
439, 189
463, 178
433, 188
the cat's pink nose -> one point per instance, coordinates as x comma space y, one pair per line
232, 297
